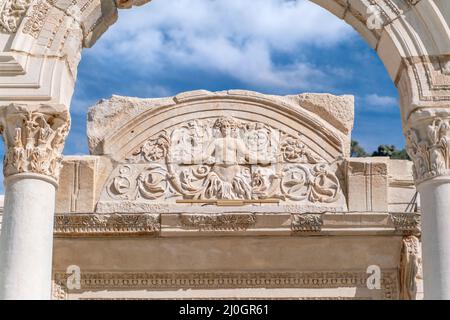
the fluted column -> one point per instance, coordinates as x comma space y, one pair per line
34, 140
428, 141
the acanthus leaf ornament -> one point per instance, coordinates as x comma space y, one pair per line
115, 224
12, 13
152, 150
35, 143
306, 223
430, 151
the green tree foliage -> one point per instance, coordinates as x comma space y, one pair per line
382, 151
357, 150
391, 152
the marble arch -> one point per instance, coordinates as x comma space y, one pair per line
40, 48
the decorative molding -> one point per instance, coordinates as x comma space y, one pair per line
429, 148
218, 222
407, 223
37, 19
410, 268
306, 222
107, 225
236, 299
429, 75
301, 209
34, 142
12, 13
131, 207
182, 221
10, 65
100, 281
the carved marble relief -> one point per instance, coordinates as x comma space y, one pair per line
12, 13
306, 223
37, 19
218, 222
108, 281
224, 159
35, 144
431, 151
117, 224
410, 268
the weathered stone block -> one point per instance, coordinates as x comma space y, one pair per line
76, 191
367, 184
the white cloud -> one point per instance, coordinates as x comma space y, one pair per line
381, 103
79, 105
234, 37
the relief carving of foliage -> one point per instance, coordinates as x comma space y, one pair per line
325, 185
294, 150
12, 13
152, 150
296, 183
318, 184
36, 144
122, 183
431, 153
225, 159
152, 183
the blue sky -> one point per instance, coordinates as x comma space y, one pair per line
271, 46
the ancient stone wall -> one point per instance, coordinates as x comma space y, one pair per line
233, 194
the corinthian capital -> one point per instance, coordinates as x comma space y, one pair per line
34, 140
428, 143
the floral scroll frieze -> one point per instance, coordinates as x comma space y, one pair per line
306, 223
430, 149
224, 159
218, 222
35, 142
407, 223
116, 224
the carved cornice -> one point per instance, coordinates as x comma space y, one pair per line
100, 281
428, 144
186, 223
34, 141
218, 222
306, 223
107, 225
407, 223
